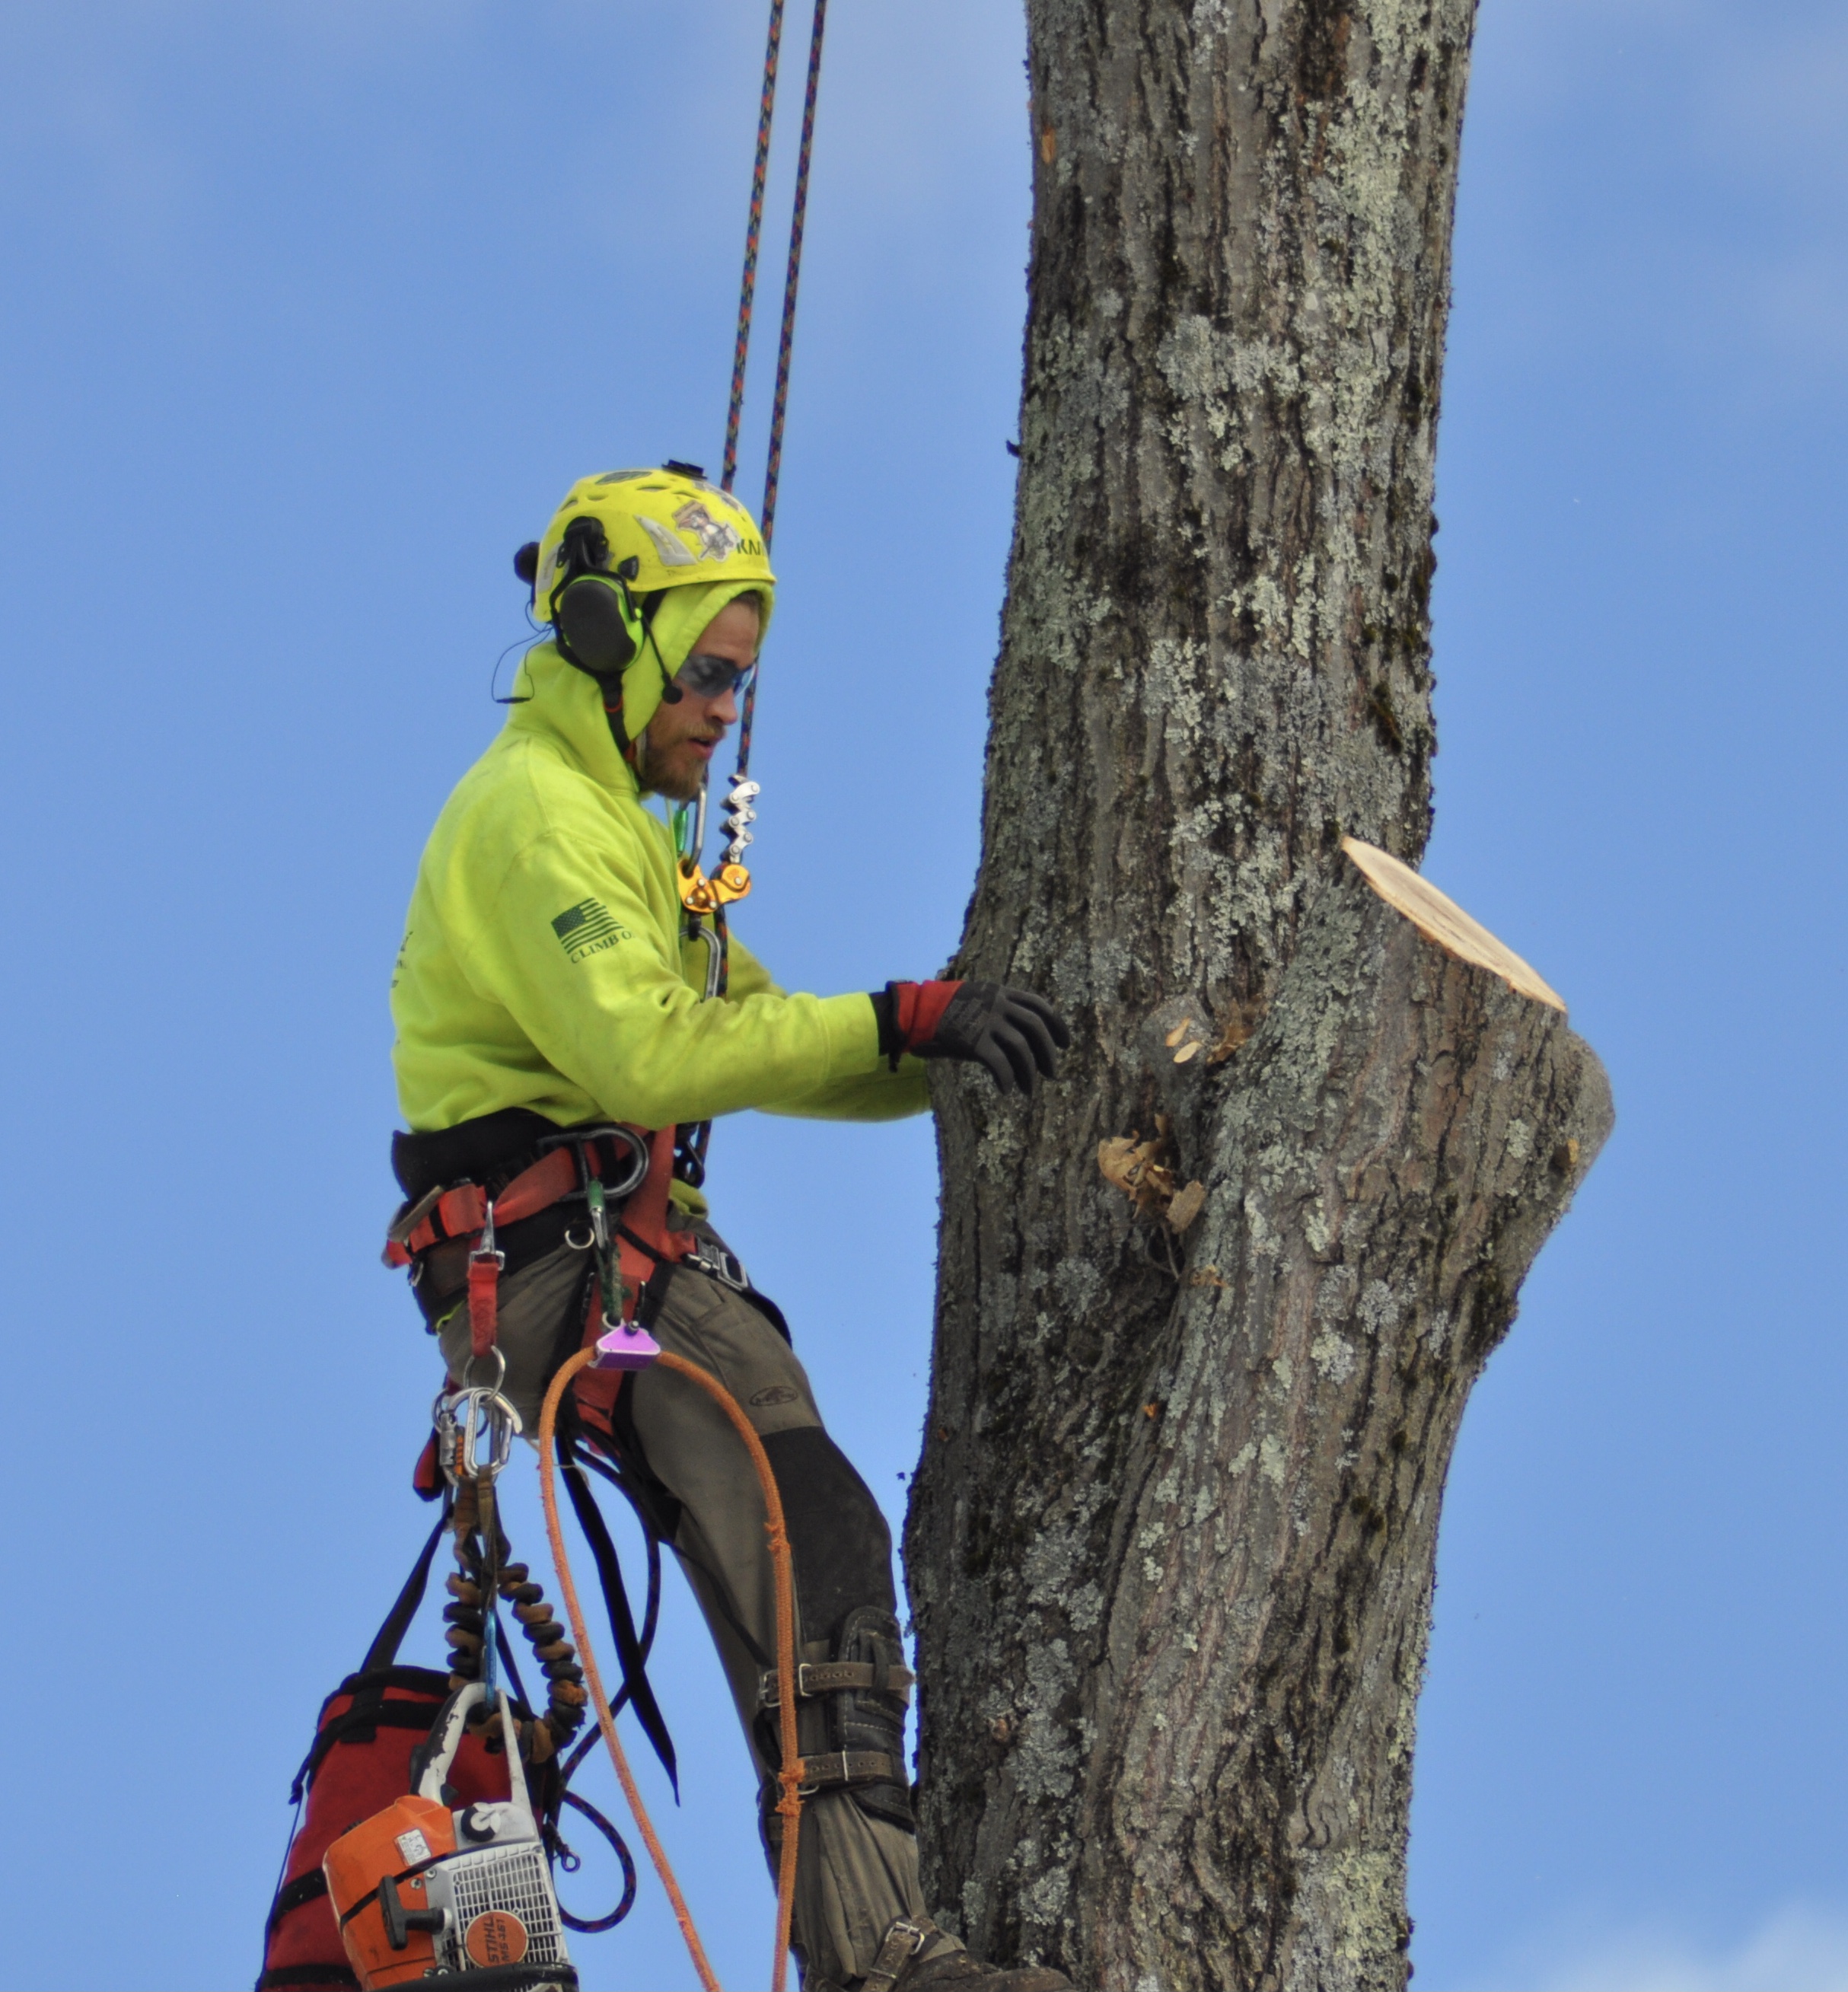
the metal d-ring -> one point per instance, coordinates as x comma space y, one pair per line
580, 1244
500, 1375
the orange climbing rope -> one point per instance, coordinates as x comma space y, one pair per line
789, 1805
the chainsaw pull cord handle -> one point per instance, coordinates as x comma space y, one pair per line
790, 1774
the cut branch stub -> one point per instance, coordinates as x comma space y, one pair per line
1439, 918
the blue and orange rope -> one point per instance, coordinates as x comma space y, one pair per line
753, 232
792, 276
747, 296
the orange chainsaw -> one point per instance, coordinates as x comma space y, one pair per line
424, 1892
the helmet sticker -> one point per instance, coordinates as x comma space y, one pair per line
671, 552
718, 541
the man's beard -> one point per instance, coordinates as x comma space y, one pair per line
683, 790
656, 777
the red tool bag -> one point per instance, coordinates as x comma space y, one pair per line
360, 1763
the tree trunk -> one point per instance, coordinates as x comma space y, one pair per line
1171, 1540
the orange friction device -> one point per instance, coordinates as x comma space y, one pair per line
423, 1892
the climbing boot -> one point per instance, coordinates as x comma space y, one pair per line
916, 1956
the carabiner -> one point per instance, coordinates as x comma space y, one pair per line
475, 1429
485, 1249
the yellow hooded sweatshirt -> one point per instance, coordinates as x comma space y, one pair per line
543, 964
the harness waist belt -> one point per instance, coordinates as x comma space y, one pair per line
458, 1213
462, 1211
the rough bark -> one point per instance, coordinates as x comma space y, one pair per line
1172, 1540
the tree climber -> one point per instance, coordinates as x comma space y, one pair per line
550, 980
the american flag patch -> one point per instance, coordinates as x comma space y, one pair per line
587, 927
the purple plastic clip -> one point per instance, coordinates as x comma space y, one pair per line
626, 1348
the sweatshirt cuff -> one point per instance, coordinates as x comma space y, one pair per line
886, 1010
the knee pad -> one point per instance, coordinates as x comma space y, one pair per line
843, 1548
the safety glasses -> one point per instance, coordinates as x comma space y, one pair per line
712, 678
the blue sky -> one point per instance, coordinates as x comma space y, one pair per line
311, 315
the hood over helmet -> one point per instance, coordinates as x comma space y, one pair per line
646, 558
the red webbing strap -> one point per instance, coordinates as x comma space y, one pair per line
484, 1301
645, 1214
537, 1188
462, 1211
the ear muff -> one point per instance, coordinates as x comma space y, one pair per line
596, 624
597, 629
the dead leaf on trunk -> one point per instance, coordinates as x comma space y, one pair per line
1139, 1168
1187, 1205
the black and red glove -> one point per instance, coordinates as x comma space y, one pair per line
1014, 1033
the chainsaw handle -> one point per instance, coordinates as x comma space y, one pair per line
431, 1765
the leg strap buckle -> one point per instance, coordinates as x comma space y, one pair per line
900, 1943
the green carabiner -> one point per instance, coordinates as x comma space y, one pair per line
609, 1262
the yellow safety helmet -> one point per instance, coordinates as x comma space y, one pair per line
615, 541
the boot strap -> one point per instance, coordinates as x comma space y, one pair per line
835, 1676
900, 1943
823, 1770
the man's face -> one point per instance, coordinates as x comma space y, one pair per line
681, 739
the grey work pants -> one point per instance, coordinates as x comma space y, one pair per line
855, 1873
